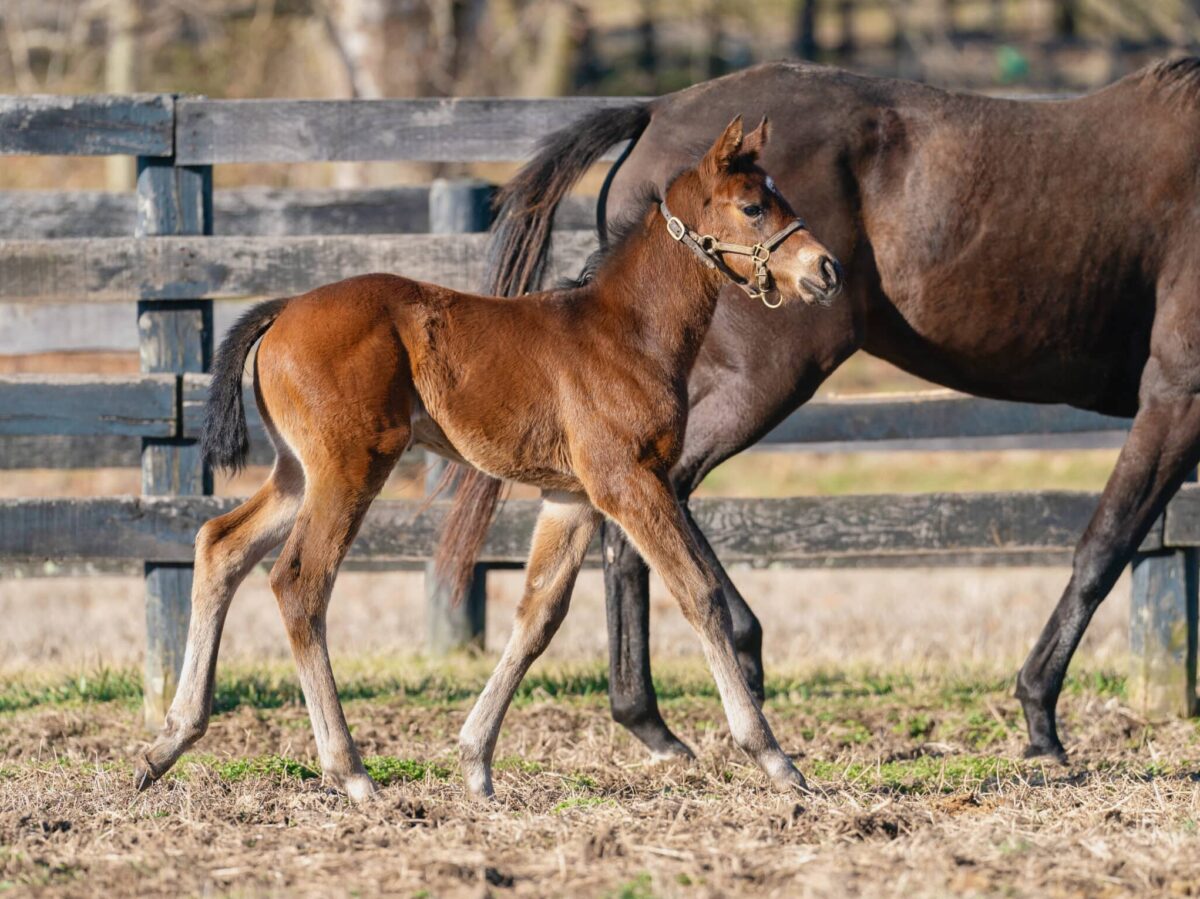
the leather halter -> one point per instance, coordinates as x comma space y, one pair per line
710, 250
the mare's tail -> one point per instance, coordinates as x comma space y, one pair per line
224, 441
519, 249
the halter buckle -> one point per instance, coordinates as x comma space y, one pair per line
676, 228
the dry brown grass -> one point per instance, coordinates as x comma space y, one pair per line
891, 688
917, 792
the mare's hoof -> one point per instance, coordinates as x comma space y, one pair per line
1051, 751
677, 752
144, 775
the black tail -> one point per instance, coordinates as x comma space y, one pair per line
520, 242
224, 441
520, 246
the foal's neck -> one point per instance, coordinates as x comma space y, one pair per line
660, 290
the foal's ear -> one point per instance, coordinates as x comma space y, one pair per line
722, 153
753, 145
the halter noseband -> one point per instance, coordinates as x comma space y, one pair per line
710, 250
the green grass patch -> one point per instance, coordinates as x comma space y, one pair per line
581, 802
274, 767
638, 888
388, 769
516, 763
923, 775
458, 681
102, 685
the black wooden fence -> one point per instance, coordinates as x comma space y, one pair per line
67, 254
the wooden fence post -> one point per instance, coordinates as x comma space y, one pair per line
456, 207
175, 337
1162, 633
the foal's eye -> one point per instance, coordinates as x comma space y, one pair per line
753, 210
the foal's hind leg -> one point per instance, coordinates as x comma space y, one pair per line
1162, 447
564, 529
226, 549
337, 497
643, 504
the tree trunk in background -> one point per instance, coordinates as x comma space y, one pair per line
551, 69
1066, 19
714, 57
647, 58
120, 77
805, 44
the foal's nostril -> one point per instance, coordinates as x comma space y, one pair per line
832, 270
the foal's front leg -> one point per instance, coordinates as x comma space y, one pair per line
643, 504
565, 527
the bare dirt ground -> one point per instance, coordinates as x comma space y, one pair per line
891, 688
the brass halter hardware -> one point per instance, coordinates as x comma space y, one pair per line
710, 250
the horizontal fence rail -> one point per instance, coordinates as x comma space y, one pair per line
798, 530
443, 130
151, 406
249, 211
138, 125
113, 269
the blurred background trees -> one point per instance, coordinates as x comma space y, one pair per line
406, 48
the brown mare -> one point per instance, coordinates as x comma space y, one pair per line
349, 376
1039, 251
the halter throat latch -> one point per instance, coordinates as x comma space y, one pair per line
711, 252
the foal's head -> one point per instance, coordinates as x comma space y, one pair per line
728, 211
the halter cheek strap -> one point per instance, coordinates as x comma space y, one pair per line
711, 252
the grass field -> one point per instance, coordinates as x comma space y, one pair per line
891, 688
918, 790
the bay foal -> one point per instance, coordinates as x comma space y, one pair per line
581, 392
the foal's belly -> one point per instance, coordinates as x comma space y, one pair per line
537, 469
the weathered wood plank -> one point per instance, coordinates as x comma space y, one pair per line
929, 415
759, 531
138, 124
1182, 518
1162, 634
61, 452
249, 211
172, 268
438, 130
87, 404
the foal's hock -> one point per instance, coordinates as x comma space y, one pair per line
349, 376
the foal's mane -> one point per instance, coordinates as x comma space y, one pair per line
1180, 77
620, 232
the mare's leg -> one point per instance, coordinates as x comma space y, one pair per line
226, 549
627, 602
1162, 447
645, 507
732, 408
335, 501
565, 527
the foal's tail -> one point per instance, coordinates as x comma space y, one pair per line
519, 249
224, 442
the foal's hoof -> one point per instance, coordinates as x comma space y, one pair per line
784, 775
1052, 751
359, 787
479, 784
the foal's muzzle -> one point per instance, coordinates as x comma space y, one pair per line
826, 290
